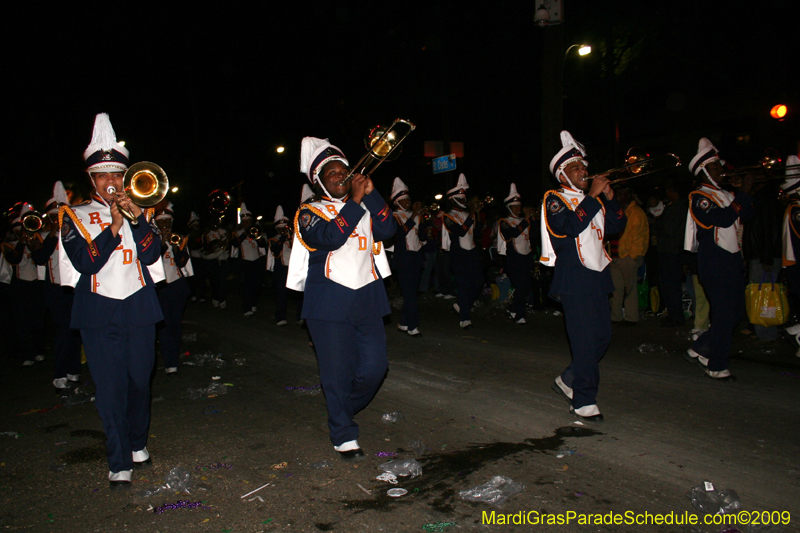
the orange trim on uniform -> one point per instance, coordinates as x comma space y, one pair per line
544, 212
701, 193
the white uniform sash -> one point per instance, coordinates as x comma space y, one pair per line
52, 265
171, 270
248, 250
216, 234
353, 265
412, 237
521, 243
789, 257
589, 244
122, 275
726, 238
26, 269
6, 272
466, 242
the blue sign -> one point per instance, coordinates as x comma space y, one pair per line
446, 163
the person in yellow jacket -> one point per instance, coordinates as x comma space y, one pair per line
633, 243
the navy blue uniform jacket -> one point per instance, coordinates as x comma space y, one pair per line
91, 310
325, 299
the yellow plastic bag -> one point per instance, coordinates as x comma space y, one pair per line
767, 303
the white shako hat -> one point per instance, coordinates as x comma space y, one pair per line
25, 207
706, 153
59, 198
280, 219
104, 153
306, 194
513, 196
460, 190
167, 212
571, 151
792, 181
193, 218
244, 212
399, 190
315, 153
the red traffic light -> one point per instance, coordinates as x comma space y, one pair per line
778, 111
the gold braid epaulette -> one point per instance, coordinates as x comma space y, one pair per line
710, 197
544, 212
297, 228
65, 209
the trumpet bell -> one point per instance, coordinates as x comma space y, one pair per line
32, 221
146, 183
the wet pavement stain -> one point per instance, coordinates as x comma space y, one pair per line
441, 471
92, 433
85, 455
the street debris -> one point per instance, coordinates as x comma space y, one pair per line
495, 491
254, 491
706, 499
393, 417
406, 467
396, 493
178, 480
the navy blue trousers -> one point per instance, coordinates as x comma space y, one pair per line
724, 285
352, 364
172, 298
519, 268
670, 277
407, 268
28, 300
252, 274
120, 358
67, 341
468, 274
588, 318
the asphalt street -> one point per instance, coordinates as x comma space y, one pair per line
472, 405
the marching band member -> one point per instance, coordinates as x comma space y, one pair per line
115, 305
407, 259
575, 219
337, 260
194, 243
280, 250
514, 242
712, 227
460, 225
791, 238
173, 291
249, 248
59, 299
215, 252
27, 290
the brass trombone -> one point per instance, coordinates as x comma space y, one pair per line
381, 143
637, 165
770, 164
145, 183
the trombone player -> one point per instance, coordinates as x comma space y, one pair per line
115, 305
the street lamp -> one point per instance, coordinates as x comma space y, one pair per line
583, 50
280, 149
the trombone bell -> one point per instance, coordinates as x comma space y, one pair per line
382, 144
146, 183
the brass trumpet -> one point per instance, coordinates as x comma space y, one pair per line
255, 233
175, 240
381, 143
145, 183
32, 222
429, 211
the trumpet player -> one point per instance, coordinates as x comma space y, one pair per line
407, 259
460, 225
115, 305
575, 218
791, 238
26, 290
712, 227
173, 291
514, 242
280, 251
216, 252
249, 248
58, 299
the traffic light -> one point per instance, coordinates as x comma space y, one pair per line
778, 111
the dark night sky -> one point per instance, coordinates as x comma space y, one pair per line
208, 92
